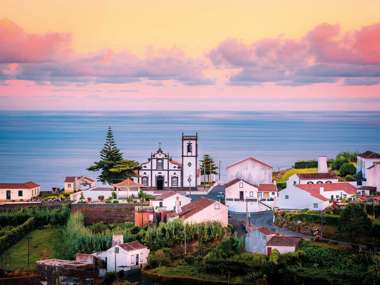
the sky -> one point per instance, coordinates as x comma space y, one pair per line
189, 55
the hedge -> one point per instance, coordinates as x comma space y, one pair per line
306, 164
42, 216
15, 234
327, 219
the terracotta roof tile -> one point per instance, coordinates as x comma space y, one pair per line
165, 194
267, 188
370, 154
312, 176
195, 207
284, 241
132, 245
25, 185
265, 231
128, 183
314, 189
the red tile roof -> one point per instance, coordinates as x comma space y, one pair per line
195, 207
316, 176
267, 188
314, 189
369, 154
25, 185
253, 159
128, 183
284, 241
236, 180
165, 195
72, 179
132, 245
265, 231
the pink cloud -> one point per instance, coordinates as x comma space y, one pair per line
19, 46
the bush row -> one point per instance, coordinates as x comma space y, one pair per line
327, 219
42, 216
306, 164
15, 234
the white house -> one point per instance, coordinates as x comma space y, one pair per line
283, 244
202, 211
256, 239
373, 176
251, 170
124, 256
313, 196
365, 160
242, 196
77, 183
161, 172
168, 200
19, 191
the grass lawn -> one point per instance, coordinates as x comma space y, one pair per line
44, 243
283, 176
188, 271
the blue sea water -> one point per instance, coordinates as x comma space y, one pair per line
47, 146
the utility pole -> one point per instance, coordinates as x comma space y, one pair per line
246, 214
28, 240
185, 240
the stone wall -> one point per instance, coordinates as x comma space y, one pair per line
107, 213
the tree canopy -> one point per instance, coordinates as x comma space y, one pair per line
208, 166
114, 168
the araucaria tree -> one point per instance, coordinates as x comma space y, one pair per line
208, 167
111, 164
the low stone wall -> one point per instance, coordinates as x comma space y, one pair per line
20, 205
107, 213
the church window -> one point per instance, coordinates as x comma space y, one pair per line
241, 184
160, 164
174, 181
310, 182
189, 147
145, 181
189, 164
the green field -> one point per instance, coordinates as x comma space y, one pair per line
43, 243
282, 176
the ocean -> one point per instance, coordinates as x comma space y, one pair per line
47, 146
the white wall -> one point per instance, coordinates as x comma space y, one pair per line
282, 249
298, 199
364, 163
216, 212
169, 203
251, 171
373, 178
294, 179
27, 194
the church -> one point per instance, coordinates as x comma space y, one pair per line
162, 172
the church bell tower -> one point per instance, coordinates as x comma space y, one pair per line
189, 160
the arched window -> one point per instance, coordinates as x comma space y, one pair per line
160, 164
174, 181
328, 182
310, 182
319, 182
145, 180
189, 147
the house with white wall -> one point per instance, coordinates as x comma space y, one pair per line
284, 244
168, 200
313, 196
242, 196
77, 183
257, 238
251, 170
373, 176
364, 161
202, 211
124, 256
19, 191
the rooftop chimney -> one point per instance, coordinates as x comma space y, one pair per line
178, 209
322, 164
117, 239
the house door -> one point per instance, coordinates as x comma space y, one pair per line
137, 259
241, 195
8, 194
160, 182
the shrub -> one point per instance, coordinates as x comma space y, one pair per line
354, 223
159, 258
15, 234
349, 178
347, 169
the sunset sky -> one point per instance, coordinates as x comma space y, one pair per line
189, 55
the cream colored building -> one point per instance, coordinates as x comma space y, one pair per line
76, 183
19, 191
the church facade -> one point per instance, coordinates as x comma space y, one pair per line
162, 172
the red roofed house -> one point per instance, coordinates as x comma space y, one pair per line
283, 244
76, 183
124, 256
256, 239
313, 196
251, 170
19, 191
240, 194
203, 211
